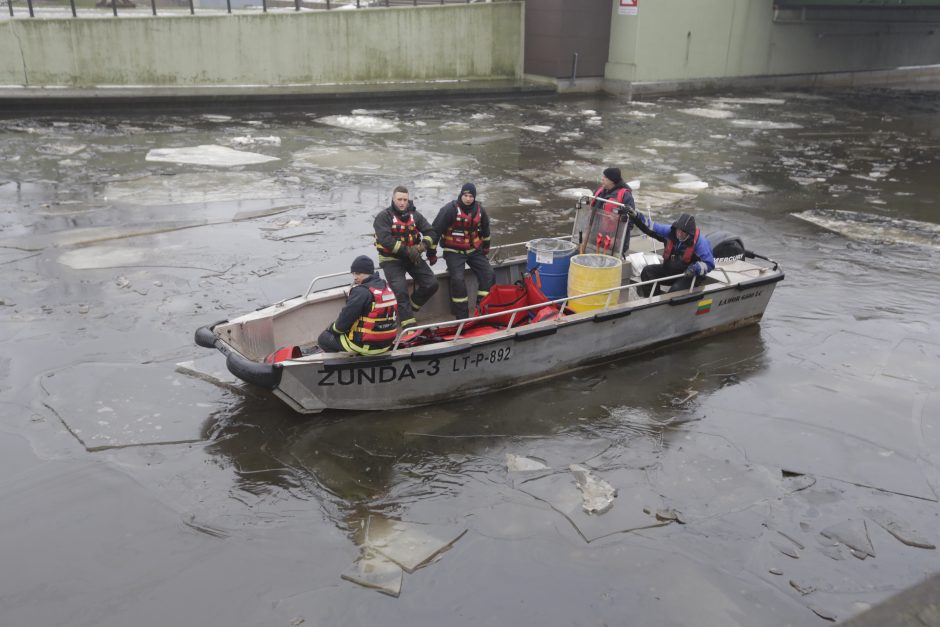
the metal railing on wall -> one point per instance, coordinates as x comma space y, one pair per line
37, 8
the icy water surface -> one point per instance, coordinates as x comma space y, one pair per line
784, 474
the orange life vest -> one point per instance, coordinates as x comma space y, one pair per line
375, 331
464, 233
609, 219
406, 231
687, 254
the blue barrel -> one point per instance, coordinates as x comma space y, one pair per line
550, 260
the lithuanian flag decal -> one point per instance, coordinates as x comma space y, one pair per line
704, 306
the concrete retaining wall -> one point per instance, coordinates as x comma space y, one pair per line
477, 41
687, 41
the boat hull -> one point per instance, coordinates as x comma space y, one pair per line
471, 366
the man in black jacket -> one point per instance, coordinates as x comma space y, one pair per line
368, 323
464, 229
401, 236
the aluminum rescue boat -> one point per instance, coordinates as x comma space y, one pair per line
443, 359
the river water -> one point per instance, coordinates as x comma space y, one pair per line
794, 465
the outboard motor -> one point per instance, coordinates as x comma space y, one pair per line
726, 247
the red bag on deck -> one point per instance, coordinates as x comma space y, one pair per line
503, 298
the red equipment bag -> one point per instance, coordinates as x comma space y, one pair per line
503, 298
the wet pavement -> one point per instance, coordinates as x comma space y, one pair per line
783, 474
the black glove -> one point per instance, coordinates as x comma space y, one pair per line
627, 211
485, 249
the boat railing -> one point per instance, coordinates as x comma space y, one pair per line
320, 278
514, 313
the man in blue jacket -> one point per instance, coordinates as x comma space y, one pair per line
687, 252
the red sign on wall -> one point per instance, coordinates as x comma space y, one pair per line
628, 7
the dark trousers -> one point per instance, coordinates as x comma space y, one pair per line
329, 342
480, 265
659, 270
425, 284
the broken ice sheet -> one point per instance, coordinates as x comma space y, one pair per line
112, 405
375, 571
561, 493
212, 368
409, 545
698, 477
914, 360
853, 534
211, 154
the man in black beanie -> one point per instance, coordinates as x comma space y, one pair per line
368, 322
465, 237
608, 219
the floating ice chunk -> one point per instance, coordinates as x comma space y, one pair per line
896, 528
213, 117
482, 116
375, 571
634, 184
756, 189
728, 191
409, 545
689, 185
371, 111
517, 463
537, 128
250, 140
766, 124
597, 496
853, 534
61, 150
874, 228
756, 101
530, 201
219, 156
641, 114
588, 112
361, 123
717, 114
667, 143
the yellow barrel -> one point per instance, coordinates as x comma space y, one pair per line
591, 273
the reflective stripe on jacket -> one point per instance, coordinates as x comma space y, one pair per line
375, 331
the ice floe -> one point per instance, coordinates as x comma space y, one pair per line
361, 123
211, 154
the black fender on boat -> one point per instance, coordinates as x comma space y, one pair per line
205, 337
263, 375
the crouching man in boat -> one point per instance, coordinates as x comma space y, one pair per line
401, 236
687, 251
368, 323
464, 228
